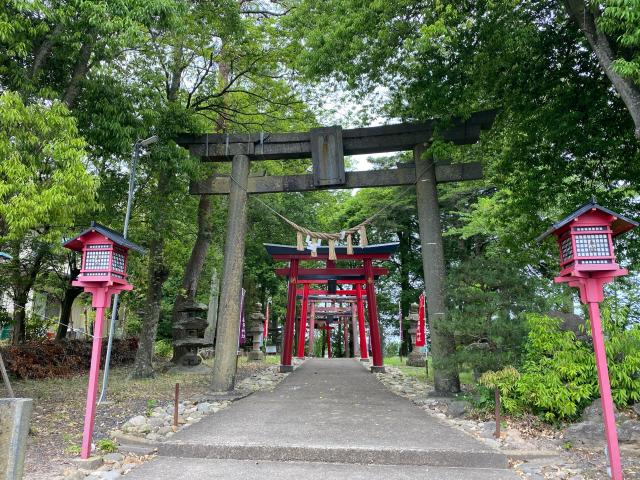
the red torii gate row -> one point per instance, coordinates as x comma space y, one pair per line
332, 276
341, 296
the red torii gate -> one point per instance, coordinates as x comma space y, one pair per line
332, 276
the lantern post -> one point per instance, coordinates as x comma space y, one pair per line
103, 274
587, 262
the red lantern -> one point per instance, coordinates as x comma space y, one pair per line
588, 262
103, 273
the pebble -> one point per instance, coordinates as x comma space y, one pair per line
565, 466
158, 425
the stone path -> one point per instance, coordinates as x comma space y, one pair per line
328, 419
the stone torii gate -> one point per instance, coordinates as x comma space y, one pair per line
327, 148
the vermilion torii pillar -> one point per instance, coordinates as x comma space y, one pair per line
303, 321
286, 365
364, 350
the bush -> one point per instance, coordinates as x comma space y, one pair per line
48, 358
391, 348
163, 348
506, 381
557, 378
107, 445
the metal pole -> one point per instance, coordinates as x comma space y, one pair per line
606, 400
90, 413
116, 297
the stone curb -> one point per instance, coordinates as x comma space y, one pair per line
363, 456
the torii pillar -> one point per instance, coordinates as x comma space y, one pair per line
302, 326
312, 329
224, 368
376, 347
364, 350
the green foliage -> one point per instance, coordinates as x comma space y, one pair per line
106, 445
391, 348
163, 349
558, 373
557, 378
620, 19
505, 381
44, 183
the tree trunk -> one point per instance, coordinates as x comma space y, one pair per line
158, 274
600, 43
70, 294
79, 73
194, 267
21, 298
44, 49
445, 372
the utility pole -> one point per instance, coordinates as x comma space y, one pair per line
137, 149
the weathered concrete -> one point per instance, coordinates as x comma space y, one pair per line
328, 415
203, 469
15, 414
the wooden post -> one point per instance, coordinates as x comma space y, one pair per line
364, 350
374, 330
176, 405
345, 335
445, 373
302, 329
497, 398
312, 329
224, 366
5, 379
290, 318
354, 328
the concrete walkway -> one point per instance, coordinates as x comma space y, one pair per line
328, 419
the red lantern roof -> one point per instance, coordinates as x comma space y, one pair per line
621, 224
76, 243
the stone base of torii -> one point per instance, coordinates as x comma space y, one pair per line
332, 277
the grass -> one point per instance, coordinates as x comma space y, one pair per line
466, 378
59, 403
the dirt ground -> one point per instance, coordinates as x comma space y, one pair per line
58, 415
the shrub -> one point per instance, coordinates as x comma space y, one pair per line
48, 358
557, 378
391, 348
163, 348
506, 381
107, 445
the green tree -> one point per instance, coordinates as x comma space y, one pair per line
44, 186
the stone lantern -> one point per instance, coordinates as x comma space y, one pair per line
417, 356
188, 334
256, 329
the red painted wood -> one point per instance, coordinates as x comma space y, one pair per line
374, 330
364, 353
283, 272
290, 317
371, 256
302, 327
